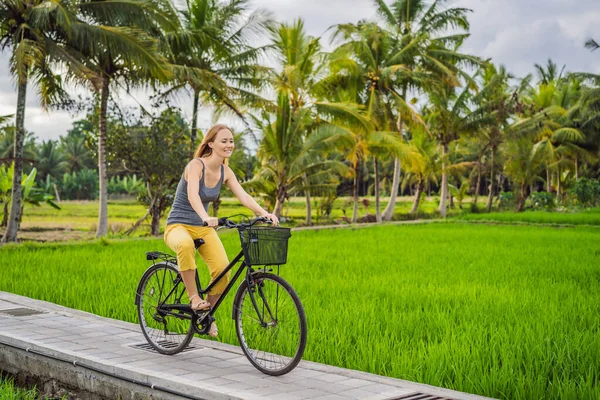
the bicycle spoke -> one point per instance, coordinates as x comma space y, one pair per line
249, 316
166, 331
277, 344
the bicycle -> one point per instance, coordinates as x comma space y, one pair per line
269, 318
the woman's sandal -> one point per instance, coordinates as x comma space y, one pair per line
213, 331
201, 305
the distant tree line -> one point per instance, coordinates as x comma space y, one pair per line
395, 107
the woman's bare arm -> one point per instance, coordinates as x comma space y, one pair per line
193, 174
244, 198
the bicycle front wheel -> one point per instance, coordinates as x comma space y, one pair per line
169, 332
272, 329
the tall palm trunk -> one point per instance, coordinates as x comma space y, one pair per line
491, 194
478, 184
5, 215
155, 212
444, 194
281, 193
102, 229
558, 194
415, 206
15, 204
522, 197
548, 179
377, 207
308, 205
194, 132
355, 194
388, 213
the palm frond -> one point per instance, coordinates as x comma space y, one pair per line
349, 112
566, 134
592, 45
385, 13
25, 55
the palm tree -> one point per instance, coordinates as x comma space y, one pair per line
424, 173
33, 31
523, 164
76, 154
286, 156
450, 115
589, 118
366, 67
559, 138
50, 160
122, 49
356, 143
7, 147
499, 104
427, 35
550, 73
286, 159
213, 55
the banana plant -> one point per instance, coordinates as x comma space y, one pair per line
5, 190
132, 185
461, 192
31, 194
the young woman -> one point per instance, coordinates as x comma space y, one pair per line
199, 185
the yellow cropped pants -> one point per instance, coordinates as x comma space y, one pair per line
180, 238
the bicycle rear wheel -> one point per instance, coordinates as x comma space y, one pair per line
169, 332
276, 345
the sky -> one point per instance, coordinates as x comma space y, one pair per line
514, 33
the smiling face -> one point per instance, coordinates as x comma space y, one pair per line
223, 144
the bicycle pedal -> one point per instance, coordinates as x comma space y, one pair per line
203, 313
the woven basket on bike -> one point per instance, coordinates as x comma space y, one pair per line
265, 245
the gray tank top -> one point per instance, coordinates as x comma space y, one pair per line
182, 211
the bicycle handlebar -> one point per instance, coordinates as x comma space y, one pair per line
224, 222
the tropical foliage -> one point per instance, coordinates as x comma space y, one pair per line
396, 107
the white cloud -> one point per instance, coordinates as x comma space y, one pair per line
520, 33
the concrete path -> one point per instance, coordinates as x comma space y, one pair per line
107, 357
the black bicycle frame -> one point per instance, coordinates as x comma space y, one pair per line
185, 307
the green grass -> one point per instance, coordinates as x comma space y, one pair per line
583, 217
9, 391
511, 312
76, 220
127, 210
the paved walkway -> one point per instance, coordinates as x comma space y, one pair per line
103, 356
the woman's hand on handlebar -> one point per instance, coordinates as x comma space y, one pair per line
226, 223
212, 222
272, 218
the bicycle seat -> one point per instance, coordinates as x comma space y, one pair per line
198, 243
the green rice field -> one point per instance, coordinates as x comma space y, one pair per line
76, 220
511, 312
581, 217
